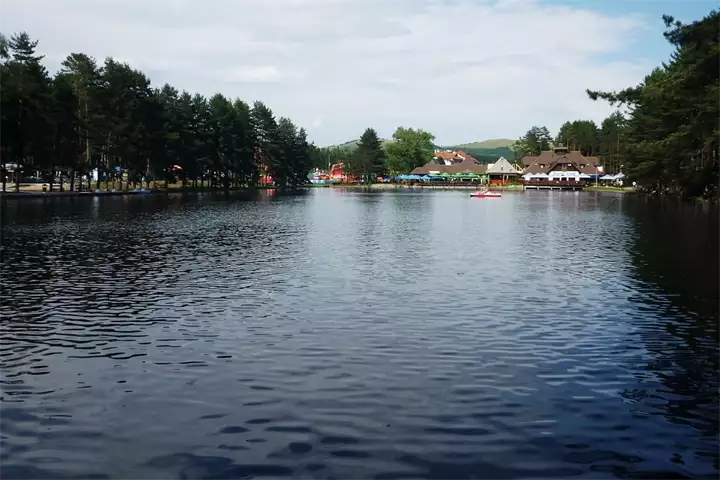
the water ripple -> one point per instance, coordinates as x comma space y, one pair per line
342, 334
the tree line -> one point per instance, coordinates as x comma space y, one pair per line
583, 135
667, 141
671, 133
109, 117
409, 148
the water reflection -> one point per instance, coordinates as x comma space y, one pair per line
351, 334
675, 254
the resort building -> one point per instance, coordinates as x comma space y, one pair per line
560, 159
502, 172
441, 164
450, 157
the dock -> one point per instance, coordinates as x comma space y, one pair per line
551, 185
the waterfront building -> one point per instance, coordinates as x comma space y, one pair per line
560, 159
503, 172
443, 163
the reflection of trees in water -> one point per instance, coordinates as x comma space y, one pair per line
85, 272
78, 285
675, 259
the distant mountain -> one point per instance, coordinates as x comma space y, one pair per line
487, 151
493, 143
352, 144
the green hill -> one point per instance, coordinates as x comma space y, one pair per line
486, 151
352, 144
493, 143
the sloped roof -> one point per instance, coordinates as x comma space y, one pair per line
458, 156
445, 155
528, 160
467, 166
502, 166
552, 160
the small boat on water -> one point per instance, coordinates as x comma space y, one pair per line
486, 193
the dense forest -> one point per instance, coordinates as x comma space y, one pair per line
371, 156
667, 141
603, 142
109, 117
671, 134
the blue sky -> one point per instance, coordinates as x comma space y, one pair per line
650, 45
466, 70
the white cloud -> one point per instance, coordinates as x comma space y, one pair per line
463, 69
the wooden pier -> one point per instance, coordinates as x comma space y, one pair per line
554, 185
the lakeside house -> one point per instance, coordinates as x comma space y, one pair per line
451, 163
559, 159
503, 172
451, 157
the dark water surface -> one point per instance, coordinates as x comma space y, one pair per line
342, 334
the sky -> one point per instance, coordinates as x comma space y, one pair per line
465, 70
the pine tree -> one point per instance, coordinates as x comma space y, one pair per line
368, 161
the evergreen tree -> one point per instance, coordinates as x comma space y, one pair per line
84, 75
110, 118
25, 93
5, 102
579, 135
268, 155
671, 136
368, 161
534, 142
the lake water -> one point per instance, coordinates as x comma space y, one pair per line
343, 334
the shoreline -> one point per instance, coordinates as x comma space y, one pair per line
35, 194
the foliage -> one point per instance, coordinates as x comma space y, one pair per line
671, 133
323, 158
536, 140
352, 144
580, 135
109, 117
410, 149
368, 160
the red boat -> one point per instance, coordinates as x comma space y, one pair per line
486, 194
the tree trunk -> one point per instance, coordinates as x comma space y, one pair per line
3, 173
72, 180
52, 177
62, 181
